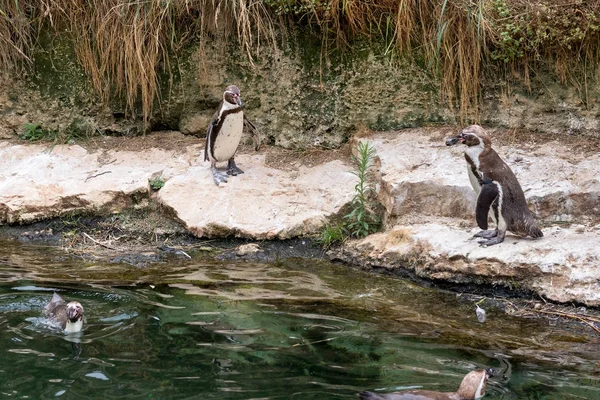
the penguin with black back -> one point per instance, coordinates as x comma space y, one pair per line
225, 132
472, 387
499, 194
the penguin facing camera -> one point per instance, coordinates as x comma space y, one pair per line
499, 194
224, 134
69, 316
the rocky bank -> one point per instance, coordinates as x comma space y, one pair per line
422, 184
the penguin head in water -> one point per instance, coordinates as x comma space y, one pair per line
68, 316
472, 387
74, 311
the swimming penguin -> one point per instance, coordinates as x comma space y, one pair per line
68, 316
224, 134
472, 387
499, 194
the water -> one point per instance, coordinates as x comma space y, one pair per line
300, 330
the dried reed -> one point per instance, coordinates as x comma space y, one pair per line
124, 44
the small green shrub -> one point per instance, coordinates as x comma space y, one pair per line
78, 129
156, 183
35, 132
364, 215
332, 234
363, 218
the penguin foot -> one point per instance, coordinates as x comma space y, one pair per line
219, 177
498, 238
233, 169
492, 233
490, 242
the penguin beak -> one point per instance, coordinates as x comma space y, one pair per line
451, 141
74, 311
458, 139
239, 101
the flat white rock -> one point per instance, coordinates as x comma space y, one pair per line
262, 203
40, 182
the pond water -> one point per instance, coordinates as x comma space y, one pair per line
294, 330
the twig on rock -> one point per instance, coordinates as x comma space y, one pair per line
98, 174
585, 320
99, 243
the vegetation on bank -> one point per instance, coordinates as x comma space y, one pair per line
76, 130
364, 212
124, 45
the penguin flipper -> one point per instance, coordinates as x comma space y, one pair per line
254, 131
208, 138
489, 193
54, 303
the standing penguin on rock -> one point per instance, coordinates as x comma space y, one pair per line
499, 194
224, 134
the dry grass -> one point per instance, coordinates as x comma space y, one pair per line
15, 39
399, 236
124, 44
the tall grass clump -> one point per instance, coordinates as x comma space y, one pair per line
15, 36
123, 45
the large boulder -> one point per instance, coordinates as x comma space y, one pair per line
262, 203
421, 175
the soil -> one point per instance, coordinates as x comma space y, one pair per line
288, 160
167, 140
275, 157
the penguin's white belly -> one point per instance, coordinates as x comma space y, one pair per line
228, 139
74, 327
474, 181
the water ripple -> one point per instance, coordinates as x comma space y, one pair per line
255, 331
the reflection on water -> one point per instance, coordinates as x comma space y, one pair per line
254, 331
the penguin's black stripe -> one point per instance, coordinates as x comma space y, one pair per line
208, 135
476, 173
487, 198
214, 129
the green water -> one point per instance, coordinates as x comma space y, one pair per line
297, 330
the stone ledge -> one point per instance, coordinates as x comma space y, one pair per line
40, 182
423, 185
430, 215
562, 266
